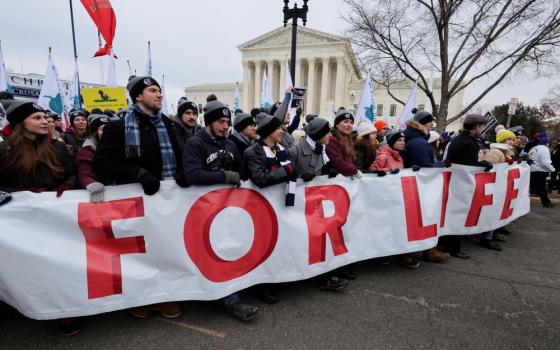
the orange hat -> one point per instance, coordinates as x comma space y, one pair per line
380, 124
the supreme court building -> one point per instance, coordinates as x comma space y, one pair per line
326, 66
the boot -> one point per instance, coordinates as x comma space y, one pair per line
435, 255
242, 312
334, 283
499, 237
486, 243
168, 310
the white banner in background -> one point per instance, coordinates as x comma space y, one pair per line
65, 257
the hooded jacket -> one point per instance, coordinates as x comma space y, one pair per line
417, 150
386, 159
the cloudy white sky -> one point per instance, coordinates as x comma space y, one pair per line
193, 42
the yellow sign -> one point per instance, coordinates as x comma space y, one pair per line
104, 98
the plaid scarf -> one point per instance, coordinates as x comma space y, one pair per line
133, 147
275, 161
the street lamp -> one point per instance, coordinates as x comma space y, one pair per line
294, 14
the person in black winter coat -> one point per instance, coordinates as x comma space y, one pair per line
244, 135
75, 136
418, 152
209, 159
143, 146
464, 149
186, 125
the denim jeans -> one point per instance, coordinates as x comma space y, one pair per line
230, 299
487, 235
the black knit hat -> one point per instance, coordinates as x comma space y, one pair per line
341, 115
215, 110
423, 117
267, 125
242, 120
53, 115
392, 136
183, 105
95, 121
317, 128
137, 84
17, 111
75, 114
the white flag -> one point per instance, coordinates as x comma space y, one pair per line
112, 71
148, 70
51, 96
407, 111
73, 100
366, 109
266, 94
4, 86
289, 82
236, 98
164, 109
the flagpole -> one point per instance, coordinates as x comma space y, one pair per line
75, 48
130, 73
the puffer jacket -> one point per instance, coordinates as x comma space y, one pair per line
259, 174
387, 159
417, 149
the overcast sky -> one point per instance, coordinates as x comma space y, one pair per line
193, 42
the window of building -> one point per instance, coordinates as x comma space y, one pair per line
393, 111
421, 107
380, 110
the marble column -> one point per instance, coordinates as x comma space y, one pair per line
258, 83
340, 96
299, 75
311, 92
282, 80
325, 86
246, 86
271, 78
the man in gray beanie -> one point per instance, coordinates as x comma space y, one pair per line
187, 120
244, 132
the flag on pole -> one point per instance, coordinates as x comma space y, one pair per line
366, 109
266, 94
112, 71
148, 70
102, 14
406, 114
73, 100
236, 98
289, 82
4, 86
164, 109
51, 96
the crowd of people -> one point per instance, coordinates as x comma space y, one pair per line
266, 146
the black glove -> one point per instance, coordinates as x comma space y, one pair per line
4, 198
306, 177
415, 168
394, 171
299, 111
486, 165
181, 181
530, 161
149, 182
380, 173
367, 171
232, 178
447, 163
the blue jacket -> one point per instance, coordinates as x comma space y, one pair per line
417, 150
205, 159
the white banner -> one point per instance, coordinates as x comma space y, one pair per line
65, 257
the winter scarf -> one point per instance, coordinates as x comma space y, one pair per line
280, 159
246, 140
133, 148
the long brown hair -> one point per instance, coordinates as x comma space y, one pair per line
24, 155
346, 143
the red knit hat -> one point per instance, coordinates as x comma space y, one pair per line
380, 124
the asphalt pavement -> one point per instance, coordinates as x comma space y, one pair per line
495, 300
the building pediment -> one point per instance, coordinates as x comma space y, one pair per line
282, 37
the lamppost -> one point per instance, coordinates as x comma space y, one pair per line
294, 14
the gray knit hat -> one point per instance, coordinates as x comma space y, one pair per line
185, 104
317, 128
392, 136
137, 84
17, 111
341, 115
242, 120
267, 124
423, 117
215, 110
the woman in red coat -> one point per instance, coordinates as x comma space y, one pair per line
340, 149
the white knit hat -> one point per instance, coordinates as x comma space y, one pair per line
365, 128
434, 136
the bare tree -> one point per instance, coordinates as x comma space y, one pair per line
463, 41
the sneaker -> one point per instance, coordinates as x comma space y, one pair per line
168, 310
334, 283
242, 312
139, 312
461, 255
267, 295
435, 255
409, 262
499, 237
69, 326
486, 243
503, 231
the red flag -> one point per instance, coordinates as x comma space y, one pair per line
102, 14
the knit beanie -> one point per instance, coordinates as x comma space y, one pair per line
392, 136
341, 115
183, 105
434, 136
317, 128
75, 114
380, 124
267, 124
17, 111
423, 117
365, 128
542, 137
242, 120
214, 110
95, 121
504, 135
137, 84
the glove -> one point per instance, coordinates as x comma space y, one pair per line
150, 183
358, 175
530, 161
232, 178
333, 172
299, 111
5, 197
63, 188
307, 177
510, 161
447, 163
394, 171
486, 165
96, 192
415, 168
181, 181
289, 169
380, 173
